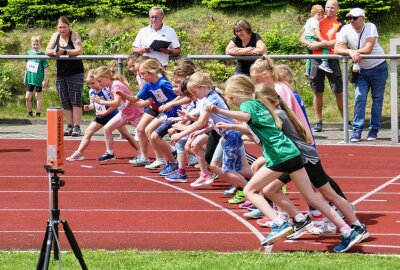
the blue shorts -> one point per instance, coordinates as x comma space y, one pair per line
163, 129
232, 144
180, 145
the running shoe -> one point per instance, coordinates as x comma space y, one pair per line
325, 67
76, 131
347, 242
238, 198
277, 232
324, 228
265, 222
139, 161
300, 227
361, 230
245, 205
256, 214
106, 157
76, 156
171, 168
157, 164
203, 180
230, 191
177, 177
68, 131
318, 126
192, 160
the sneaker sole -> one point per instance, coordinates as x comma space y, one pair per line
154, 168
299, 233
167, 174
107, 160
78, 159
277, 237
176, 181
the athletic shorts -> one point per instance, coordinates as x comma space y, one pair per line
315, 172
31, 88
151, 111
289, 166
317, 76
163, 129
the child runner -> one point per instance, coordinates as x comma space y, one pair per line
282, 156
312, 162
129, 114
200, 85
103, 114
35, 76
312, 33
159, 90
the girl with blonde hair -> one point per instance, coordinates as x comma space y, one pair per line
129, 114
158, 90
282, 156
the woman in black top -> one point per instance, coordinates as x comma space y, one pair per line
70, 77
245, 43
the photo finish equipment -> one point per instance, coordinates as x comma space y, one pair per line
55, 159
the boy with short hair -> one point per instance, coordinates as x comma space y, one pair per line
35, 76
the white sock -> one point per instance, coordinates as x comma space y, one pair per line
299, 217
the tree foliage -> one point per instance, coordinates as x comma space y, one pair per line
19, 13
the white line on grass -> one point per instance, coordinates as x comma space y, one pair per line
362, 198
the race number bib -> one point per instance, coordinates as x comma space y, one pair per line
160, 96
100, 107
32, 66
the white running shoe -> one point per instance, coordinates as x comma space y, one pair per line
157, 164
76, 156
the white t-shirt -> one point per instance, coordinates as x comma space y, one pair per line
147, 35
350, 37
310, 26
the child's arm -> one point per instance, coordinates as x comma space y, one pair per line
111, 103
121, 93
88, 107
199, 124
179, 100
240, 116
45, 78
107, 112
318, 34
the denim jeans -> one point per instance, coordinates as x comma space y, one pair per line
374, 79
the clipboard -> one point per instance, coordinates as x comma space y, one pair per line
158, 44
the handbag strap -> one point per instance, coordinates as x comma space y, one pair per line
359, 39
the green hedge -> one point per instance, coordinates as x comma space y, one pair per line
20, 13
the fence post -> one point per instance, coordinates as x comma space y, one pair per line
120, 66
345, 100
394, 110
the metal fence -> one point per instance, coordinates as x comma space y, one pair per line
394, 56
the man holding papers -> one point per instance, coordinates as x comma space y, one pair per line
157, 40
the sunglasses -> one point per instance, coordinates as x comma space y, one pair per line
353, 18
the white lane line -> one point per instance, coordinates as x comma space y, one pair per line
117, 210
376, 190
135, 232
118, 172
87, 166
369, 200
253, 229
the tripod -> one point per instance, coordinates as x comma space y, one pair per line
52, 228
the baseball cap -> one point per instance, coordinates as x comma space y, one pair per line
356, 12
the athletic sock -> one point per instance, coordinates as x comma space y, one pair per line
357, 223
346, 230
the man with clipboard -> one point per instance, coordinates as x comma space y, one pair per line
157, 40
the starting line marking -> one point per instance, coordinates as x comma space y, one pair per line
362, 198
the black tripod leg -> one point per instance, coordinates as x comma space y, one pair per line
43, 250
44, 257
74, 244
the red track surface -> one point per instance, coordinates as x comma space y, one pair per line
116, 206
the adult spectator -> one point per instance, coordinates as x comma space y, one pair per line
245, 42
70, 77
329, 26
157, 30
355, 39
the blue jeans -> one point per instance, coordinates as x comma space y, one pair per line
374, 79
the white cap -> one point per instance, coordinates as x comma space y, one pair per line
356, 12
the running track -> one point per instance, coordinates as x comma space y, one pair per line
115, 206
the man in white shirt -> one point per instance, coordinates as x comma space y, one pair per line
157, 30
354, 39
